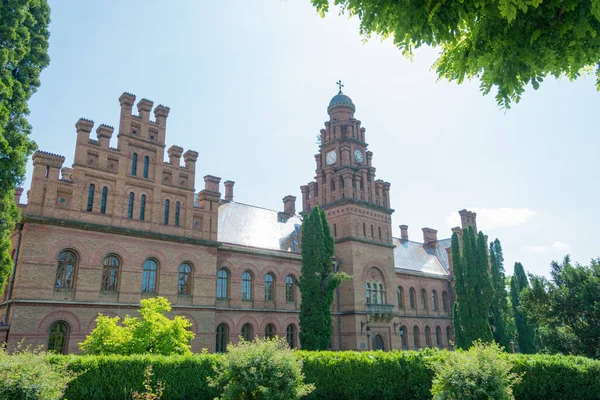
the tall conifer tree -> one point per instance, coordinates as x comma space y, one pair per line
317, 282
499, 310
525, 333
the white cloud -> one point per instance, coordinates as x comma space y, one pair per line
492, 218
537, 249
556, 246
560, 246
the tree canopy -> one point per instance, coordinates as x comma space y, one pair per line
525, 331
23, 54
506, 44
499, 311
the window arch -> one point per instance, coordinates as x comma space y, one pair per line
149, 276
166, 221
66, 270
185, 279
222, 338
58, 337
427, 336
269, 279
177, 206
146, 165
364, 229
247, 285
404, 337
413, 298
110, 273
130, 205
222, 283
289, 288
378, 342
90, 203
103, 201
424, 299
400, 293
143, 208
416, 337
375, 292
290, 334
438, 337
270, 331
372, 232
247, 332
434, 300
445, 304
379, 231
448, 335
134, 164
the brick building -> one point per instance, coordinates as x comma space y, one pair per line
122, 225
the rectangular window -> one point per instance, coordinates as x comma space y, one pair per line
146, 162
177, 214
130, 207
143, 208
90, 204
103, 202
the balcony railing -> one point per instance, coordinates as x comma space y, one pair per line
381, 311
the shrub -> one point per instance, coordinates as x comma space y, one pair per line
260, 370
482, 372
28, 374
150, 392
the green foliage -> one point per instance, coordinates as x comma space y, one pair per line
506, 44
28, 375
473, 288
525, 332
499, 311
23, 54
566, 308
154, 332
150, 392
479, 373
260, 370
317, 282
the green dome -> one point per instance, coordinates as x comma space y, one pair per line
341, 100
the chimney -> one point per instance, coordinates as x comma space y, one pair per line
468, 218
229, 190
18, 193
175, 155
404, 233
289, 205
429, 236
211, 183
457, 230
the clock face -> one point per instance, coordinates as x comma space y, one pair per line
358, 156
331, 157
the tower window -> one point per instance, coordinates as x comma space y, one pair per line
364, 229
372, 232
379, 229
177, 213
146, 164
134, 164
103, 202
143, 208
334, 230
90, 204
166, 212
130, 206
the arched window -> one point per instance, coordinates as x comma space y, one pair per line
364, 229
90, 204
423, 299
290, 334
134, 164
103, 201
130, 206
222, 283
427, 336
222, 338
445, 301
438, 337
368, 292
400, 293
65, 271
177, 205
412, 294
58, 338
149, 276
379, 230
110, 273
247, 332
269, 287
143, 208
166, 212
146, 164
378, 343
404, 337
416, 337
434, 301
372, 232
380, 293
185, 279
289, 288
270, 331
448, 335
246, 286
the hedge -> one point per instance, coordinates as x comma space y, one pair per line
337, 375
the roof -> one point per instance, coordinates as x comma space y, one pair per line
252, 226
341, 100
420, 257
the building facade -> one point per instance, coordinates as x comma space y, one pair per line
122, 225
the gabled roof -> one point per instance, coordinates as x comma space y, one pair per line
420, 257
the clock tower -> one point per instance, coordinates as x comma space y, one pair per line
358, 210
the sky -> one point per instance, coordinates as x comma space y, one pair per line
248, 84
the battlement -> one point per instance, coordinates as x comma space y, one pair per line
47, 159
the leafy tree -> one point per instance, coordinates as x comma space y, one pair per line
152, 332
473, 289
525, 332
317, 282
23, 54
506, 44
566, 308
499, 310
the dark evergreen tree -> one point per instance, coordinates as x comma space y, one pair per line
317, 282
499, 312
525, 332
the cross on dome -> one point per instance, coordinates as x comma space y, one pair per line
339, 83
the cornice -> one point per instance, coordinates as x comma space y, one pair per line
405, 271
365, 241
260, 252
362, 203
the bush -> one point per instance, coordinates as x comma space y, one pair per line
29, 375
260, 370
480, 373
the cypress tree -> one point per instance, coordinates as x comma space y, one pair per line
525, 333
499, 309
317, 282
